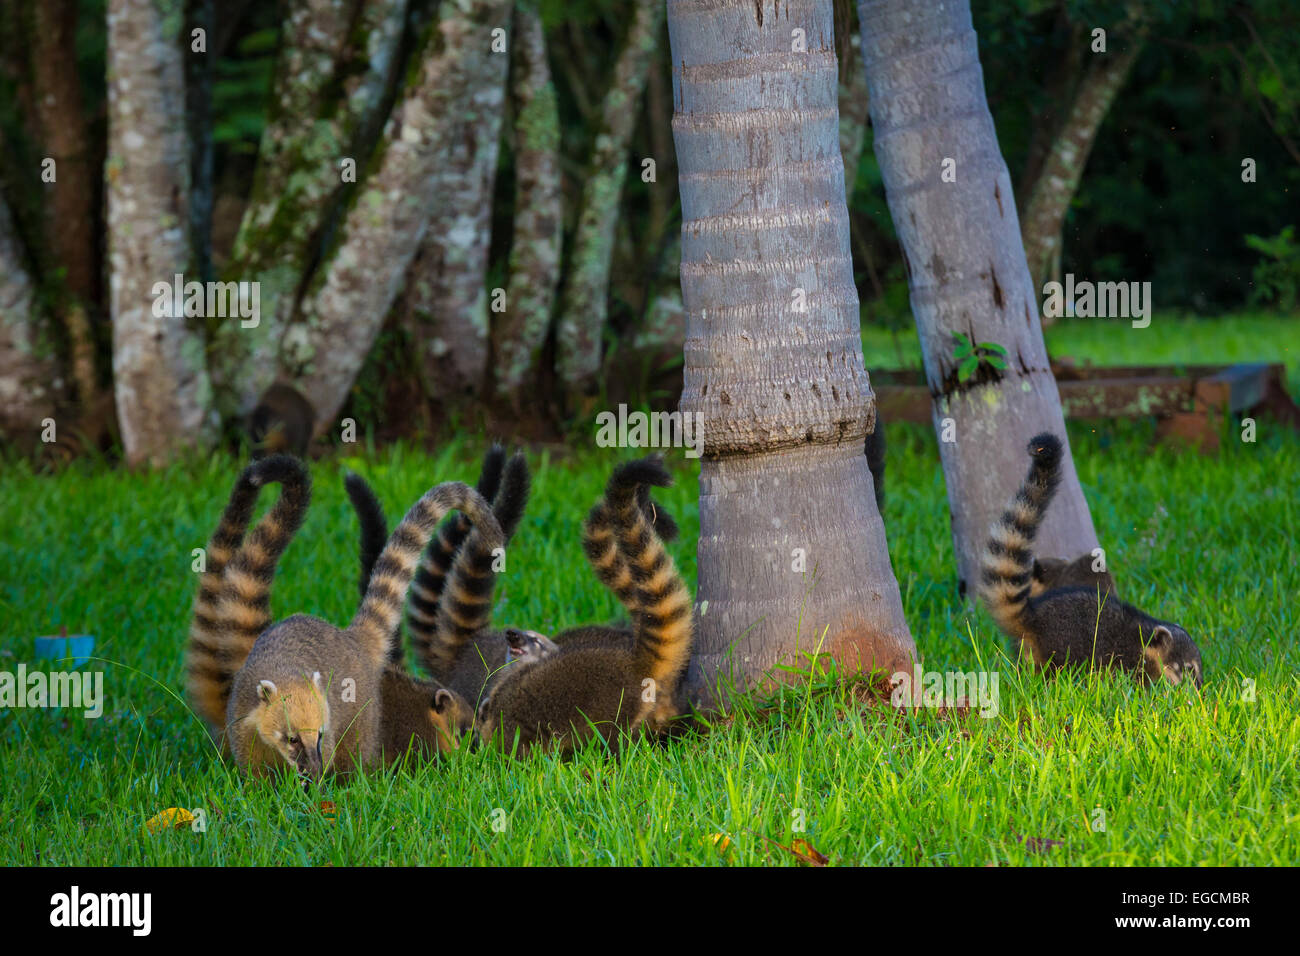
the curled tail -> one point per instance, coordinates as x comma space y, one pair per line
431, 577
1008, 562
661, 612
377, 620
466, 606
600, 544
233, 606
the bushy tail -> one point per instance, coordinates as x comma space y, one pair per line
466, 605
431, 577
661, 608
600, 544
374, 526
377, 620
233, 606
1008, 562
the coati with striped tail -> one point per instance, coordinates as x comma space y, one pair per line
308, 695
1070, 625
621, 684
1049, 573
477, 660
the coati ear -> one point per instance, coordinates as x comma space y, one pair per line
265, 691
317, 683
442, 700
1161, 643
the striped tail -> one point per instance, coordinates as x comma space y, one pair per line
466, 607
661, 611
431, 577
1008, 562
601, 546
233, 606
380, 614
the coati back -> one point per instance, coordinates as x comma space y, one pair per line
282, 421
604, 688
1050, 573
309, 694
1071, 625
220, 640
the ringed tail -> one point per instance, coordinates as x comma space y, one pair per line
466, 605
377, 620
233, 607
431, 576
1008, 561
600, 545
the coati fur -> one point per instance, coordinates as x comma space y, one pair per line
309, 694
1049, 573
618, 684
1071, 625
282, 422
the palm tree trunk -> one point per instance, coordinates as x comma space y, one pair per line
792, 552
966, 268
161, 383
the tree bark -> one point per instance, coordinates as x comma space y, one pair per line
584, 301
792, 553
337, 60
1056, 184
357, 283
520, 332
966, 268
853, 99
161, 384
29, 372
444, 305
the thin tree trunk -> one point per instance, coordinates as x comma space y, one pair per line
1056, 184
200, 15
358, 282
585, 299
855, 104
162, 389
29, 382
966, 268
337, 60
520, 332
792, 554
444, 305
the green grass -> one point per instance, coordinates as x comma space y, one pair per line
1182, 778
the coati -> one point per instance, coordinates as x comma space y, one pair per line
309, 694
1071, 625
282, 422
1049, 573
620, 684
471, 656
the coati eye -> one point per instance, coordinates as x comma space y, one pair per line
294, 740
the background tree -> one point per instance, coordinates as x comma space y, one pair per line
792, 553
951, 200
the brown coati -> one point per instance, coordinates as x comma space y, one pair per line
618, 685
1071, 625
1049, 573
218, 646
309, 694
472, 656
281, 422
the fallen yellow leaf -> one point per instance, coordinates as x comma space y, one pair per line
173, 817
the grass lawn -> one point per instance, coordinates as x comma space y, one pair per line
1179, 778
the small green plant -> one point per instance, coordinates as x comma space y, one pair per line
1277, 276
971, 355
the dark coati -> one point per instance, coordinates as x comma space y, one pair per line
619, 684
1071, 625
1049, 573
282, 422
471, 656
308, 694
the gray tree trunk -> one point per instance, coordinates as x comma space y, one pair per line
337, 59
520, 332
966, 268
29, 373
345, 306
585, 299
854, 112
160, 380
792, 553
445, 301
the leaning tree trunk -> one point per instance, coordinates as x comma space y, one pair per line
163, 395
966, 268
28, 369
1058, 180
792, 554
585, 300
